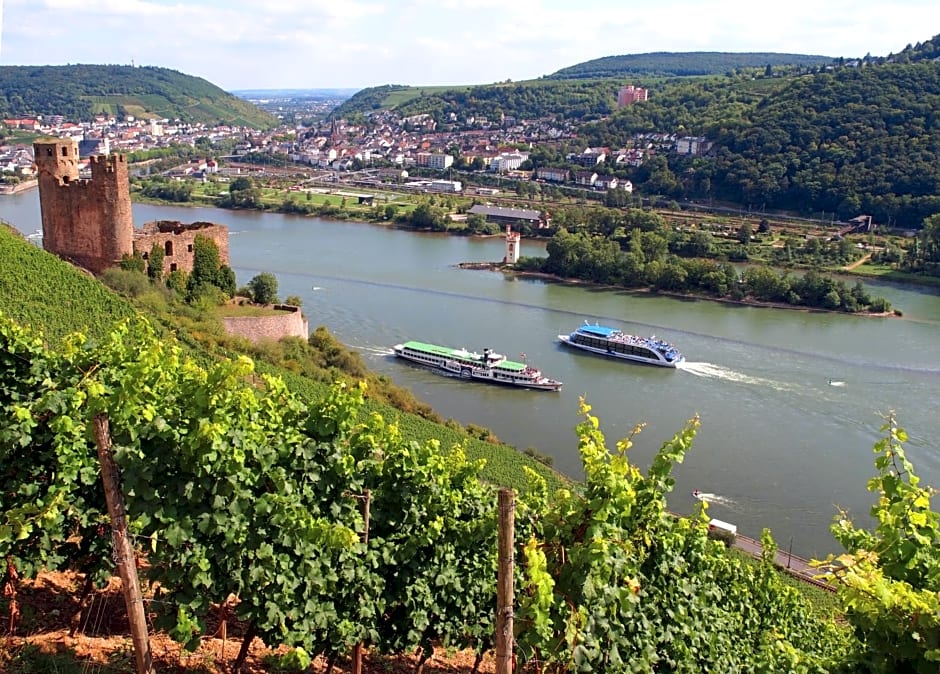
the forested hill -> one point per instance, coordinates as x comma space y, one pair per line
858, 139
79, 92
683, 64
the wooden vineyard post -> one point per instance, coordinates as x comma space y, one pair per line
504, 585
123, 550
357, 651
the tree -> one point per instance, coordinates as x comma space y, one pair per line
263, 288
225, 280
206, 273
155, 262
133, 262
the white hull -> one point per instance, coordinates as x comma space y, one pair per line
528, 378
566, 339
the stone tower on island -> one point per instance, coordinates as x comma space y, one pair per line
512, 246
89, 222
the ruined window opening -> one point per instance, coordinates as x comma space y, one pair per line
65, 180
189, 248
172, 266
65, 151
49, 152
168, 248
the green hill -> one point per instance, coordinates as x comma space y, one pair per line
683, 64
591, 94
79, 92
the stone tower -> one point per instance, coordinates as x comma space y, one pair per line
88, 222
512, 246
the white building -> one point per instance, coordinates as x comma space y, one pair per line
445, 186
507, 161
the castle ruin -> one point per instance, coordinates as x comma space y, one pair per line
90, 221
177, 240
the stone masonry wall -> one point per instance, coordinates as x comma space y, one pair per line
91, 223
258, 328
177, 240
86, 221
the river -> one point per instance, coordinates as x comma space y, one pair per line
790, 401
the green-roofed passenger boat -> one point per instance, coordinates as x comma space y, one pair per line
488, 366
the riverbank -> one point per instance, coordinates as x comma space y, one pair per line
748, 302
19, 187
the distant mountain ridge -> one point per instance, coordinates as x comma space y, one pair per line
683, 64
587, 75
82, 91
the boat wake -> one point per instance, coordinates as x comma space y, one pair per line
836, 383
713, 371
376, 350
717, 499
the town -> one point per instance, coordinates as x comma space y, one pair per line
387, 144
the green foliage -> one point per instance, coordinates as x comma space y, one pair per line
264, 288
126, 283
177, 281
244, 489
660, 64
242, 193
38, 289
425, 216
208, 273
614, 583
81, 91
525, 100
172, 190
226, 280
889, 578
647, 263
134, 263
155, 262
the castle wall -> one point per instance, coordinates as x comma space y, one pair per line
259, 328
178, 241
89, 222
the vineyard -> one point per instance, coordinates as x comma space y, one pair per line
320, 525
236, 488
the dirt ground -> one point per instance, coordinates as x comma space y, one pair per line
55, 630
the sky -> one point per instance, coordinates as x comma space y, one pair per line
300, 44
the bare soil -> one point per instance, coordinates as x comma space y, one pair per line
52, 627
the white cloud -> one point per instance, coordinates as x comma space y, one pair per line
309, 43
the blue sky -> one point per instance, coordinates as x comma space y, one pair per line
239, 44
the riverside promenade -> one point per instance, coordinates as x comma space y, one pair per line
789, 563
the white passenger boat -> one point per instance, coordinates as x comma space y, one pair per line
488, 366
612, 342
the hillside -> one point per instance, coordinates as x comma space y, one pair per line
593, 94
79, 92
41, 291
683, 64
563, 99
